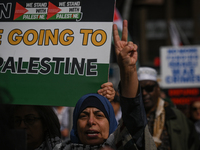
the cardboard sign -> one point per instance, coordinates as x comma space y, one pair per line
54, 52
180, 67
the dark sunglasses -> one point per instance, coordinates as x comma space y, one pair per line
27, 120
149, 88
195, 108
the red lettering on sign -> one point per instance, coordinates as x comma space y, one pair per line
183, 100
183, 92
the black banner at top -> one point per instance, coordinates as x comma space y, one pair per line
71, 10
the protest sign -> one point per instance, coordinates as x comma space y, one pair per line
53, 52
180, 67
183, 96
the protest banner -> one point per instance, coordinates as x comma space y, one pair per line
180, 74
183, 96
53, 52
180, 67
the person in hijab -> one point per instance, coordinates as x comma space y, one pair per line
93, 120
41, 124
94, 123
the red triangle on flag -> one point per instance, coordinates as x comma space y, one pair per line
19, 10
116, 15
52, 10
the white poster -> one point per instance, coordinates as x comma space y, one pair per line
54, 52
180, 66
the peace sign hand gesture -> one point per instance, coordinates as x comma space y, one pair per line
126, 53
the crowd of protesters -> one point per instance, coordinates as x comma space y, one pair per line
134, 117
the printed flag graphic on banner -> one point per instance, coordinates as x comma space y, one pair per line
19, 11
27, 11
52, 10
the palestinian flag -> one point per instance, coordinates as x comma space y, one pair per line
119, 22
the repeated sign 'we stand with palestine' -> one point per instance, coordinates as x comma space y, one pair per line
53, 52
48, 11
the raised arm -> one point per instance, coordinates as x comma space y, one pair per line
126, 53
133, 113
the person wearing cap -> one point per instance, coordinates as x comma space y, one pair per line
94, 123
169, 126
